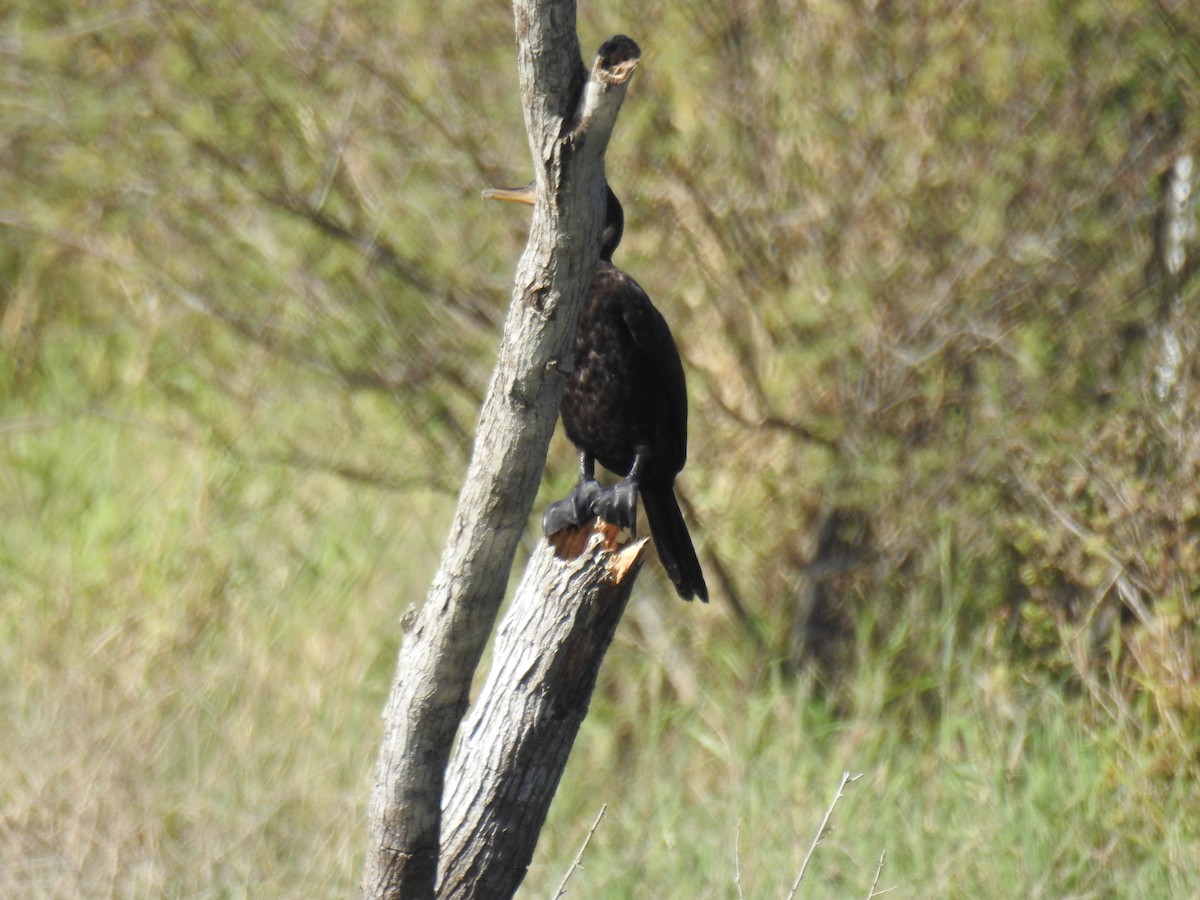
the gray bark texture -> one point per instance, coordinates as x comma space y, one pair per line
516, 740
569, 115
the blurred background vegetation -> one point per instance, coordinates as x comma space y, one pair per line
946, 496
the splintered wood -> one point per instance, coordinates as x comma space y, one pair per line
601, 538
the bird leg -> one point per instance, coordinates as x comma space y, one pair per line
578, 506
617, 505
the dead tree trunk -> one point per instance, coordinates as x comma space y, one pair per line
569, 116
517, 738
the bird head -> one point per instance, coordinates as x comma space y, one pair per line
614, 215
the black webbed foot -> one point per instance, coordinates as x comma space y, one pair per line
617, 505
573, 510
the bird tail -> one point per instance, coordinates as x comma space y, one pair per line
673, 542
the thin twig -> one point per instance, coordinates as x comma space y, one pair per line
737, 859
878, 871
562, 885
847, 778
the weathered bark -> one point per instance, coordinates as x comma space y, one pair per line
569, 116
517, 738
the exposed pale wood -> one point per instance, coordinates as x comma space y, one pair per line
569, 116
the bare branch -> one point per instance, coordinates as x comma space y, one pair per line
875, 881
847, 778
562, 885
737, 859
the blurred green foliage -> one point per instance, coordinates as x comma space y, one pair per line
249, 299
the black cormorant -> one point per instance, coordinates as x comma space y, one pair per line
625, 405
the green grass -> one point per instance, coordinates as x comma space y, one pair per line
1007, 794
188, 687
192, 694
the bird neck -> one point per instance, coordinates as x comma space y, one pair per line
614, 226
608, 242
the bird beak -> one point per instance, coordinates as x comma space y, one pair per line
526, 195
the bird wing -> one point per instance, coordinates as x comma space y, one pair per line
652, 336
